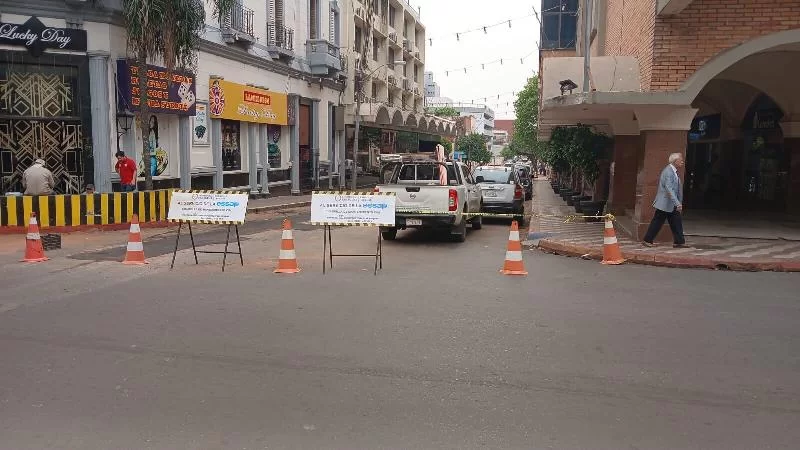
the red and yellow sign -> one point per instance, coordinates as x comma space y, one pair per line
233, 101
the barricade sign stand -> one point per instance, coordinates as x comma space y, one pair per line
208, 207
352, 209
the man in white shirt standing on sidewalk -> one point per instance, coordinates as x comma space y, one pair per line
668, 204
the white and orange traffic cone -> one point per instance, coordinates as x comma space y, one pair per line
513, 264
34, 252
612, 254
135, 252
287, 260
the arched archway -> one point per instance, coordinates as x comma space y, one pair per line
423, 125
722, 61
382, 116
411, 120
397, 118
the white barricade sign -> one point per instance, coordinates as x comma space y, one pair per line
214, 207
366, 209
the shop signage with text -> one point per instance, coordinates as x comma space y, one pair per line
168, 92
37, 37
233, 101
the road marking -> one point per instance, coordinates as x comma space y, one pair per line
735, 248
765, 251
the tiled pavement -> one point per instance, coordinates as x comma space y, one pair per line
581, 238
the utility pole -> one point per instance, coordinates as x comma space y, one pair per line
357, 88
587, 43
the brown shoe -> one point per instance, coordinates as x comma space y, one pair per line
648, 244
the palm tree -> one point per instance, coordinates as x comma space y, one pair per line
168, 31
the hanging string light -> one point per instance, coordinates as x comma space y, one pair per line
484, 28
483, 65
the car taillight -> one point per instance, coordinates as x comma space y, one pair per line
452, 203
375, 189
518, 192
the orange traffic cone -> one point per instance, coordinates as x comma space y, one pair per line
135, 253
33, 243
287, 260
611, 251
513, 264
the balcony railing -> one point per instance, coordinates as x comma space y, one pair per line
239, 18
323, 57
280, 36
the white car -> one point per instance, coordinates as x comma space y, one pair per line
422, 202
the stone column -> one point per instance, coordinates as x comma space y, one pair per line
622, 192
316, 129
294, 146
185, 151
252, 155
263, 156
101, 107
216, 152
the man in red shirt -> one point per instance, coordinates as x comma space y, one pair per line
126, 168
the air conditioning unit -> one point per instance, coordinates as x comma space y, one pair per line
416, 54
393, 36
407, 84
392, 80
406, 44
360, 12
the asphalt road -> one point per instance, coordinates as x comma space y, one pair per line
436, 351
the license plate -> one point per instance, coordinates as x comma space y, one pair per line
413, 222
489, 194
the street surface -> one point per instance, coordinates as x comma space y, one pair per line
436, 351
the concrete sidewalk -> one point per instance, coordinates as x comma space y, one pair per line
581, 239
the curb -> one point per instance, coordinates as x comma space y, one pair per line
674, 261
267, 208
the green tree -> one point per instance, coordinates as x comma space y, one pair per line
526, 107
508, 152
443, 111
168, 31
474, 147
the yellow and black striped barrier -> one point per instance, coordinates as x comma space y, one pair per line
75, 211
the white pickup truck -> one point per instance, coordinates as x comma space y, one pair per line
423, 202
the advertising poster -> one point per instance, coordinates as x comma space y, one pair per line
188, 206
200, 125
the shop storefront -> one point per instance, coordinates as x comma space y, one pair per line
171, 99
45, 104
249, 125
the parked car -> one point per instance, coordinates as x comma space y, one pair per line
502, 191
422, 202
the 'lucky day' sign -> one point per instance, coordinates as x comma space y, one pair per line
37, 37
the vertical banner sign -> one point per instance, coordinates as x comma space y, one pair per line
371, 209
167, 92
200, 125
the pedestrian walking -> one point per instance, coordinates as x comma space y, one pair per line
668, 204
38, 180
126, 168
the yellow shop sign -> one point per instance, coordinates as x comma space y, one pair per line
227, 100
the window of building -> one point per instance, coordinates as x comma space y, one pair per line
313, 19
231, 150
374, 90
392, 15
390, 59
359, 37
559, 24
416, 73
375, 48
333, 26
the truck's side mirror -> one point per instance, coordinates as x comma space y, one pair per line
479, 179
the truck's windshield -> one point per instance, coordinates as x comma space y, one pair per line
425, 173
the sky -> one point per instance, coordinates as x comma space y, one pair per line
444, 18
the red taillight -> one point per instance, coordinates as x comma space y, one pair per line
375, 189
518, 192
452, 203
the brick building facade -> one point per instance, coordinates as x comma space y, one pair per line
712, 79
